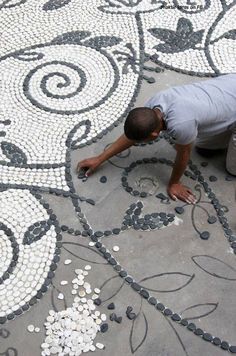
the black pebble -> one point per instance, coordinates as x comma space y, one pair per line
175, 317
160, 306
11, 316
111, 306
179, 209
104, 327
129, 310
103, 179
131, 316
167, 312
144, 293
151, 80
207, 337
212, 219
3, 319
113, 317
161, 196
232, 349
64, 228
152, 301
116, 231
90, 201
118, 319
184, 322
198, 331
205, 235
204, 164
224, 345
97, 301
18, 312
191, 327
212, 178
229, 178
129, 279
136, 286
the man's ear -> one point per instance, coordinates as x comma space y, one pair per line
154, 134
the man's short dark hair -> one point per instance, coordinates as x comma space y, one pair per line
140, 123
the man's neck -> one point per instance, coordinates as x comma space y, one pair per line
160, 117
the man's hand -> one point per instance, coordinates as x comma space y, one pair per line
179, 191
91, 163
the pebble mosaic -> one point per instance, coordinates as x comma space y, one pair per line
64, 85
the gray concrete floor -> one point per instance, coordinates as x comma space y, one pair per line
191, 276
194, 278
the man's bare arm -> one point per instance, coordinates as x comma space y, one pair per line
121, 144
175, 189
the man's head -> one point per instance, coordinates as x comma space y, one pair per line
142, 124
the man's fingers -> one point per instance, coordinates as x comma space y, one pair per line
173, 197
88, 172
81, 165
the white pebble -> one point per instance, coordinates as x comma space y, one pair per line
103, 317
44, 345
82, 293
115, 248
67, 262
87, 268
30, 328
37, 329
99, 346
78, 271
64, 283
97, 290
60, 296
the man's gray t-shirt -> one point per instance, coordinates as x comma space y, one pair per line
200, 109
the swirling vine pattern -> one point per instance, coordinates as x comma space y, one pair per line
66, 84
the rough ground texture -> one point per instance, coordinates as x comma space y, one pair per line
70, 70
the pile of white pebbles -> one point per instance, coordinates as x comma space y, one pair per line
72, 331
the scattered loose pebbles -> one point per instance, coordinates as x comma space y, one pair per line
115, 248
72, 331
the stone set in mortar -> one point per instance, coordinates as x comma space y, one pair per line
52, 93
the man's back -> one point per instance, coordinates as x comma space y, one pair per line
199, 109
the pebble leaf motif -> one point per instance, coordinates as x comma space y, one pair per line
13, 153
28, 56
76, 137
35, 232
11, 3
55, 4
120, 3
230, 35
102, 41
73, 37
177, 41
